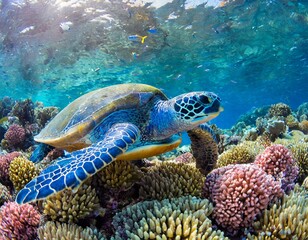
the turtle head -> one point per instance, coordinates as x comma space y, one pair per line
197, 107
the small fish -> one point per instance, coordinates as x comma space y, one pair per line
135, 55
153, 30
137, 38
4, 119
65, 26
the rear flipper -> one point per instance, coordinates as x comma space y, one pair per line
70, 172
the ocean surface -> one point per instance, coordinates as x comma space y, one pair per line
251, 53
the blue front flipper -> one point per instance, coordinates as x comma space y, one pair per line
70, 172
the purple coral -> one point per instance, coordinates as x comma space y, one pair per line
19, 221
5, 161
15, 135
240, 192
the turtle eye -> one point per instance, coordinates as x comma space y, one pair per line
204, 99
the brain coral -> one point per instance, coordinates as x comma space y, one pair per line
240, 192
177, 218
236, 154
279, 109
21, 172
5, 161
18, 221
169, 180
15, 135
287, 219
70, 207
204, 150
67, 231
119, 175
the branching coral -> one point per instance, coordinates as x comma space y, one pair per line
287, 219
204, 150
19, 221
169, 180
236, 154
279, 109
119, 175
15, 136
24, 110
177, 218
4, 194
240, 192
43, 115
21, 172
5, 161
70, 207
67, 231
300, 154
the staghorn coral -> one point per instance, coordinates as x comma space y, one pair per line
168, 180
240, 192
4, 194
67, 231
204, 149
119, 175
69, 207
15, 136
19, 221
287, 219
303, 126
177, 218
236, 154
300, 154
21, 172
279, 109
5, 161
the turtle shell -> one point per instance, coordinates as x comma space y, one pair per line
71, 127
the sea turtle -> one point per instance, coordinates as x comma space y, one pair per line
120, 122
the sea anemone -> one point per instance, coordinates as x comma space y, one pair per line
21, 172
67, 231
177, 218
168, 180
69, 207
241, 193
19, 221
15, 136
5, 161
279, 109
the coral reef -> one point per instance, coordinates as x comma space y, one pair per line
6, 105
303, 126
185, 158
5, 195
236, 154
240, 192
15, 136
21, 172
67, 231
70, 207
19, 221
5, 161
279, 109
286, 219
204, 149
292, 122
43, 115
177, 218
302, 111
24, 110
300, 154
168, 180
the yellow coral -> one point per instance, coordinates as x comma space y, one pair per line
237, 154
64, 231
21, 172
168, 180
287, 219
119, 175
70, 207
177, 218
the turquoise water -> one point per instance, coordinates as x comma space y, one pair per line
251, 53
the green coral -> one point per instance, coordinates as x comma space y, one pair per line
21, 172
287, 219
67, 206
64, 231
168, 180
178, 218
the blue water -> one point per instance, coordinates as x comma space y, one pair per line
251, 53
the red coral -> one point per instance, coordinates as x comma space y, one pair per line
274, 160
15, 135
5, 161
240, 193
19, 221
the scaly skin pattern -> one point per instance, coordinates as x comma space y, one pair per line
80, 165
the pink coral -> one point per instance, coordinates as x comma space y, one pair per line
185, 158
275, 159
19, 221
5, 161
15, 135
240, 192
